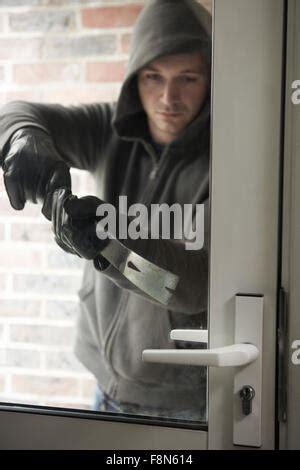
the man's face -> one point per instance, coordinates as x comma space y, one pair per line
172, 90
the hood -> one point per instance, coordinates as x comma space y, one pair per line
164, 27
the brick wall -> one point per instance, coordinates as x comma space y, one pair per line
66, 51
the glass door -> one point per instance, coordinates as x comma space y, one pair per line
243, 265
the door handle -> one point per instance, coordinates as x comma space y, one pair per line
200, 336
246, 353
233, 355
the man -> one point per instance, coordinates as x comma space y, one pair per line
152, 147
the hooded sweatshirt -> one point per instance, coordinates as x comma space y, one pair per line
112, 141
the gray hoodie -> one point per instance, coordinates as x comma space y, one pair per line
118, 321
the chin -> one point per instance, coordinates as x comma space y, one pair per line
175, 131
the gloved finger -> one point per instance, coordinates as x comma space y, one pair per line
66, 232
59, 215
55, 212
69, 238
57, 197
60, 179
82, 208
59, 218
13, 186
54, 209
47, 208
83, 241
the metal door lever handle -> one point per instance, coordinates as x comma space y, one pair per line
227, 356
200, 336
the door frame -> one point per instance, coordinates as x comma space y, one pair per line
247, 140
244, 142
289, 420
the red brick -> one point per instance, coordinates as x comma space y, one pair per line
110, 17
44, 72
125, 43
105, 71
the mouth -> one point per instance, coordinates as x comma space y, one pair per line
168, 115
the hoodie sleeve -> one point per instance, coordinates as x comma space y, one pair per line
191, 266
79, 133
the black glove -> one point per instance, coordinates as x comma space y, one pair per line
32, 169
74, 224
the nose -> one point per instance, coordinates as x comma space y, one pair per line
170, 93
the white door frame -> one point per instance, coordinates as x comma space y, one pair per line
290, 428
244, 236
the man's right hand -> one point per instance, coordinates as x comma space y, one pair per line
32, 169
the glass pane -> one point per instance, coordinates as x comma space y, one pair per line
129, 264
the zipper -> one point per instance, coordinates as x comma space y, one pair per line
155, 161
153, 173
158, 166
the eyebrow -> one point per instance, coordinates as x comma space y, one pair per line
153, 69
193, 71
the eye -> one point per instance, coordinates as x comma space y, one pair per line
188, 79
153, 77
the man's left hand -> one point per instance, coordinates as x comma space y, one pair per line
74, 224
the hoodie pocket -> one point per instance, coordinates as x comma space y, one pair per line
140, 325
114, 327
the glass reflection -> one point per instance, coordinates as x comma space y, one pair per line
135, 221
